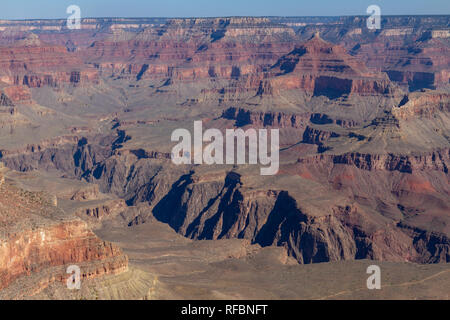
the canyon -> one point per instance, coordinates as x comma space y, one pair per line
86, 118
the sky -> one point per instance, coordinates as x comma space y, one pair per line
50, 9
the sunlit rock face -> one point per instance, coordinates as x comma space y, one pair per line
37, 241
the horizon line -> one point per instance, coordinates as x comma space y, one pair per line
225, 17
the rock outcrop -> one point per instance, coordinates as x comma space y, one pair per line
193, 49
243, 117
38, 242
423, 105
33, 63
321, 68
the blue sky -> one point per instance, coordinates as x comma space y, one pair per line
41, 9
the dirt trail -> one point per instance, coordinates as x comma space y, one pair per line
404, 284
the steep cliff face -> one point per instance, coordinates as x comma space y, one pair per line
374, 222
422, 64
317, 136
5, 101
192, 49
216, 206
38, 241
245, 117
32, 63
413, 51
268, 218
437, 160
32, 251
422, 106
106, 209
226, 209
16, 94
320, 68
71, 154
